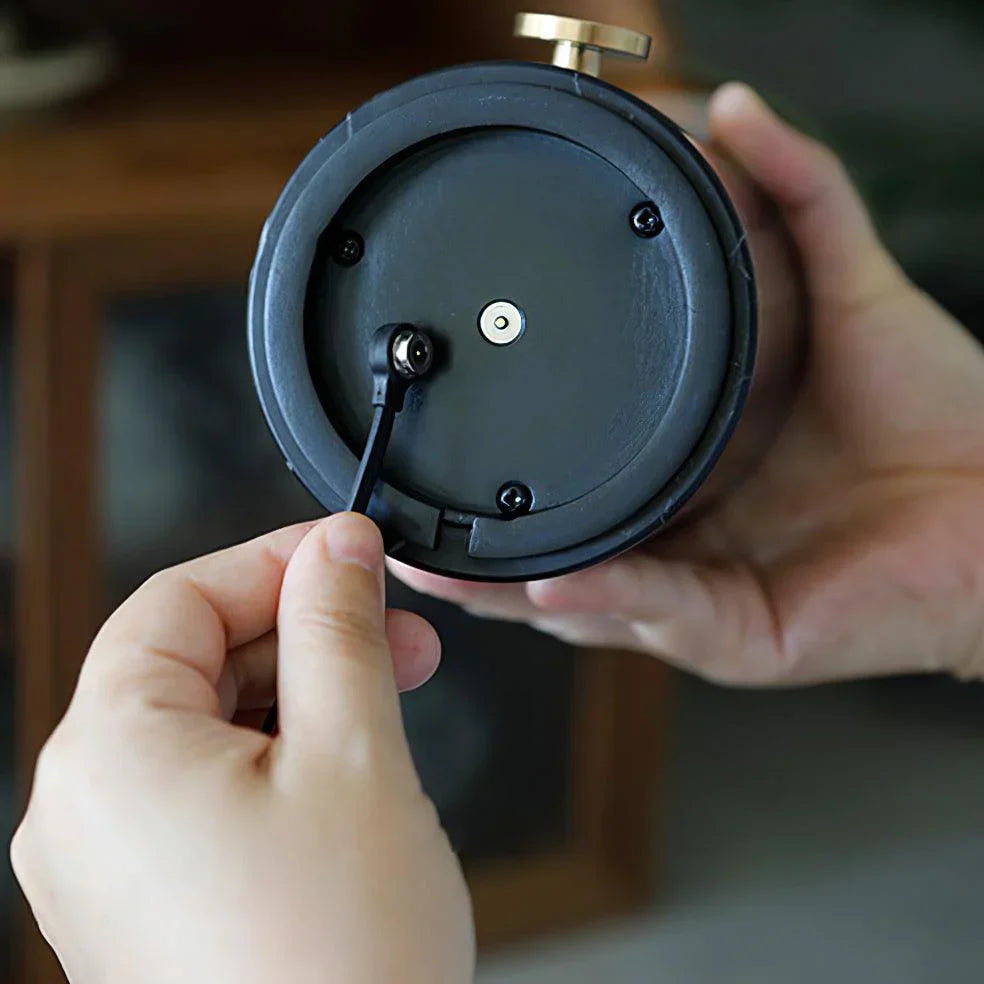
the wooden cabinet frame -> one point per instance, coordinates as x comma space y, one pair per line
139, 218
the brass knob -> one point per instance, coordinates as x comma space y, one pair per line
579, 44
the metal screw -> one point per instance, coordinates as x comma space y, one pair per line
348, 248
646, 220
514, 499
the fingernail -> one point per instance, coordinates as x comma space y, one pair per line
353, 539
733, 98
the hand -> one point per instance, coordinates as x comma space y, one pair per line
163, 844
857, 546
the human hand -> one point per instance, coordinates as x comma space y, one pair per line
163, 843
857, 545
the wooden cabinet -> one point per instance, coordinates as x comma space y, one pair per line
130, 223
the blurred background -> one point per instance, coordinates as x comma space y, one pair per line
617, 821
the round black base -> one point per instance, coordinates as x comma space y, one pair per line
585, 280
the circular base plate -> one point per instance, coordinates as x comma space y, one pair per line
508, 183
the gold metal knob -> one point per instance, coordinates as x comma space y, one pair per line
579, 44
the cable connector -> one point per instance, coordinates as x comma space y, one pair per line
399, 356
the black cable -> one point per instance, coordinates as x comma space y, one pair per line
399, 356
372, 459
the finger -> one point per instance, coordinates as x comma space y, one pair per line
501, 601
415, 648
512, 603
844, 259
249, 677
336, 678
168, 641
715, 621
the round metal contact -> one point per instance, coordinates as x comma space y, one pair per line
412, 353
501, 322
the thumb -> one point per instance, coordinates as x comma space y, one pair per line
845, 262
335, 674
